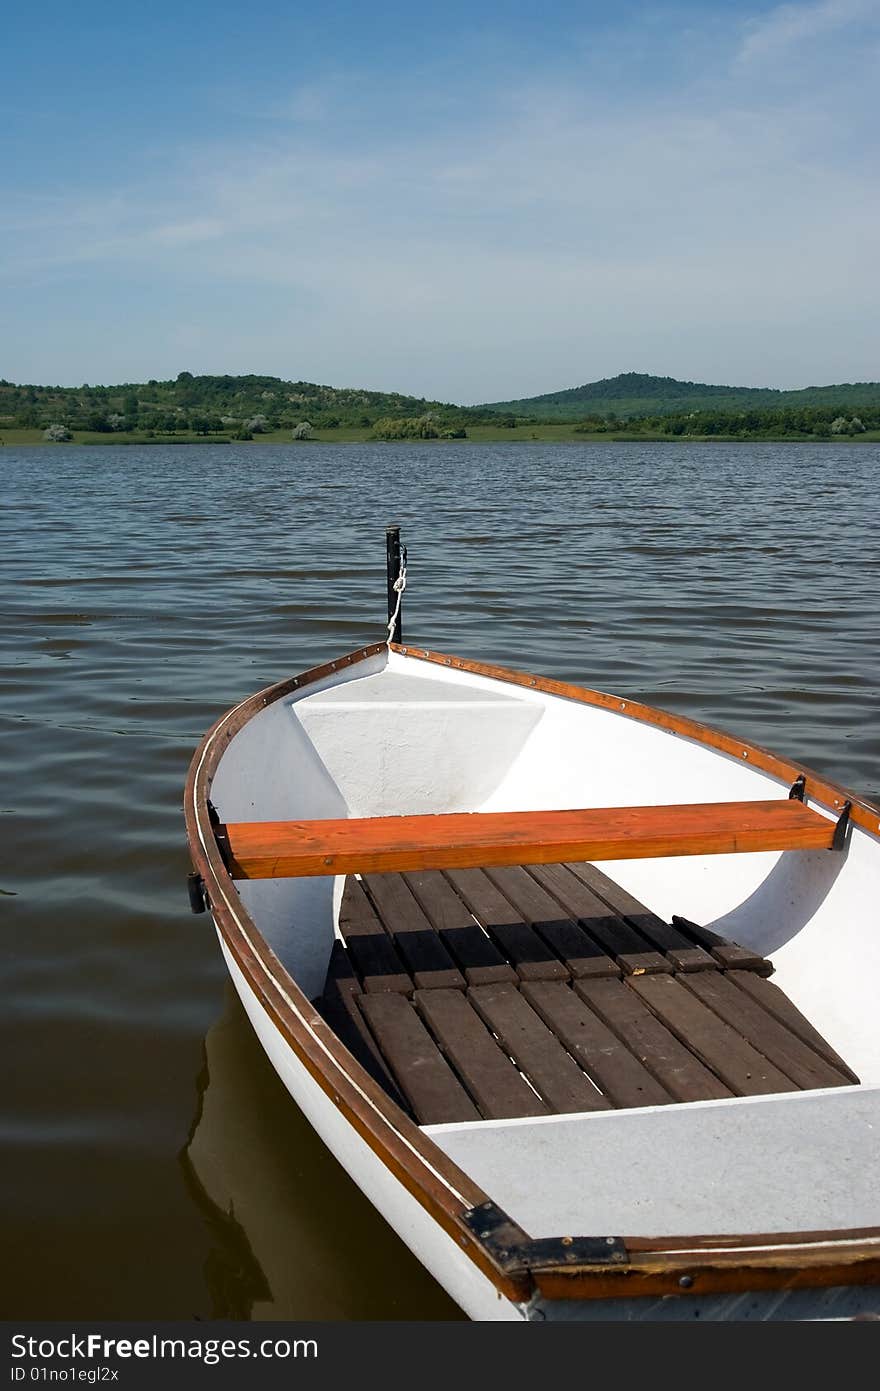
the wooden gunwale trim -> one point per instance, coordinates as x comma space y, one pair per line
827, 794
697, 1277
744, 1240
438, 1184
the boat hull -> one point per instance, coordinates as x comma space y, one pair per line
423, 1195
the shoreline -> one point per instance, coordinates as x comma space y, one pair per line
477, 434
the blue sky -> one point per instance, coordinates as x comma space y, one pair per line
463, 201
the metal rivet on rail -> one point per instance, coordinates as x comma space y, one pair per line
532, 682
447, 663
623, 705
403, 650
745, 753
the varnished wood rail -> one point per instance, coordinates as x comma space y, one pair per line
462, 840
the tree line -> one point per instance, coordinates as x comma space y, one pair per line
822, 422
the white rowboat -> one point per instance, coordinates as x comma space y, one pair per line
508, 944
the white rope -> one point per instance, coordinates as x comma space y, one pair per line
399, 587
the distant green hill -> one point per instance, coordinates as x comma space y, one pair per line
207, 404
638, 394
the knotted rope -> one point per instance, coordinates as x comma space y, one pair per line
399, 587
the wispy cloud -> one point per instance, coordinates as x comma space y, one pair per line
784, 28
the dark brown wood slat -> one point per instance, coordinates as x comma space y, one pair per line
664, 1055
728, 954
606, 1058
487, 1072
746, 1071
565, 938
581, 904
662, 935
621, 941
534, 1048
476, 954
774, 1040
691, 959
423, 953
424, 1075
357, 917
369, 946
525, 950
569, 893
777, 1003
338, 1007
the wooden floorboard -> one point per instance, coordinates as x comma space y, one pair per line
536, 1049
728, 954
371, 949
722, 1048
525, 990
777, 1003
528, 953
673, 1064
339, 1007
488, 1073
619, 939
777, 1043
611, 1064
475, 953
424, 1075
419, 946
666, 938
581, 955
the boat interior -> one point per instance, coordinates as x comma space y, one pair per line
511, 1010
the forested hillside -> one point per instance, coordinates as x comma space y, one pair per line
636, 394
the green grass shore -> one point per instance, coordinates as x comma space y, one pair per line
476, 434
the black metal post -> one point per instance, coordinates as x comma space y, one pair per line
392, 552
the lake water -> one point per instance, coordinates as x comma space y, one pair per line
155, 1167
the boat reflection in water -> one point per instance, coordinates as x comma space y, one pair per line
292, 1235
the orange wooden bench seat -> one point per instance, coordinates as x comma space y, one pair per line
463, 840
